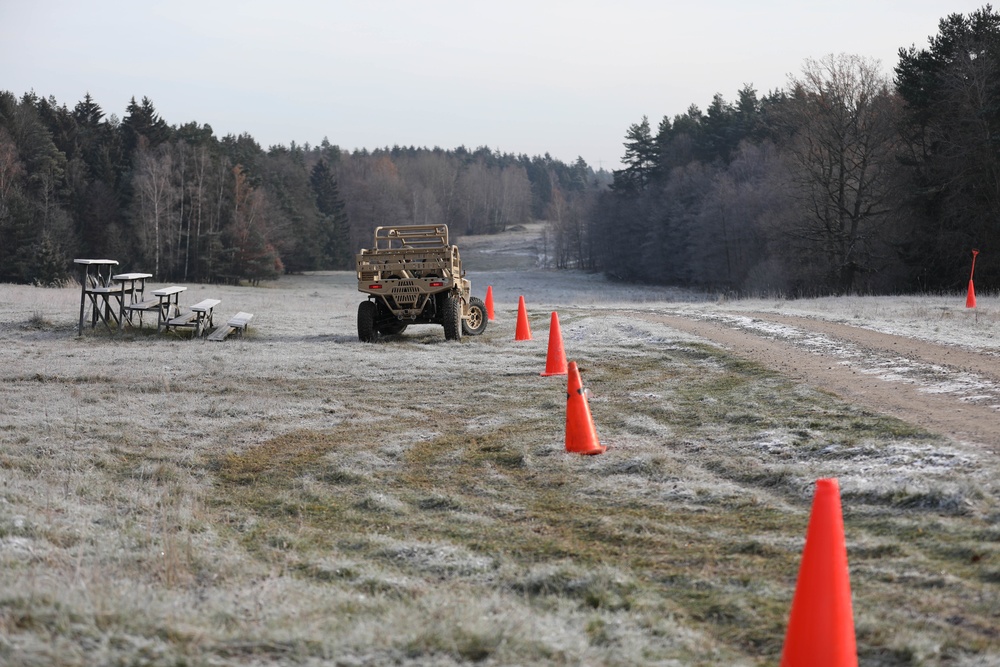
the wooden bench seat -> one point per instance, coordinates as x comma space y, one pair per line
184, 319
141, 307
237, 323
148, 304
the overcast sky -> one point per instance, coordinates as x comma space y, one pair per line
563, 77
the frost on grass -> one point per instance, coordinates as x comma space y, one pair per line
299, 497
433, 559
917, 478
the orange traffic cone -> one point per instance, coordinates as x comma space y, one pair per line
970, 298
555, 363
489, 303
581, 436
523, 331
821, 624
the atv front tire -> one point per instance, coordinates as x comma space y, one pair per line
475, 323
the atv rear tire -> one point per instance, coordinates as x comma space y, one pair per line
475, 323
366, 322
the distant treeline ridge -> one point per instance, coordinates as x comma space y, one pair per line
181, 203
845, 181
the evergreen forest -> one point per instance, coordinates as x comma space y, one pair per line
848, 180
185, 205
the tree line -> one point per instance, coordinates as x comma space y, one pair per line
845, 181
185, 205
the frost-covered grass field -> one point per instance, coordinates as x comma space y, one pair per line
298, 497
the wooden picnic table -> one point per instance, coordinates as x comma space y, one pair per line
98, 287
168, 305
204, 315
199, 317
133, 284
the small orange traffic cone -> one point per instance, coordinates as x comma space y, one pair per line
970, 298
489, 303
555, 363
523, 331
581, 436
821, 624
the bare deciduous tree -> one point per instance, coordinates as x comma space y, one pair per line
251, 231
10, 165
373, 193
839, 118
431, 179
493, 197
156, 196
197, 192
730, 237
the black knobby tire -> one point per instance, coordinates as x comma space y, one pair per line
452, 318
475, 323
366, 322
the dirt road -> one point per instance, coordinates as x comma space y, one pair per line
944, 389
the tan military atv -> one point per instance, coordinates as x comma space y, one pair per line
412, 275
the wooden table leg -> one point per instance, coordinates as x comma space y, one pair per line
83, 303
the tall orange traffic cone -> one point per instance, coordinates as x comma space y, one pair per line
581, 436
555, 363
489, 303
821, 624
970, 298
523, 331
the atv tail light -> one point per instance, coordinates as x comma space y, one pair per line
437, 283
375, 286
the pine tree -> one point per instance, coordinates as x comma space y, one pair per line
142, 124
334, 228
640, 159
87, 112
48, 262
952, 114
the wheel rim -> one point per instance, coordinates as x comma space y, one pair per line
475, 318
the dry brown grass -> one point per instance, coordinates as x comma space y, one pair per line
299, 497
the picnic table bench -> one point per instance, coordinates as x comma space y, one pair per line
200, 316
141, 307
167, 299
237, 323
98, 288
133, 284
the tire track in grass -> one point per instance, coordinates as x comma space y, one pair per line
953, 356
850, 379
